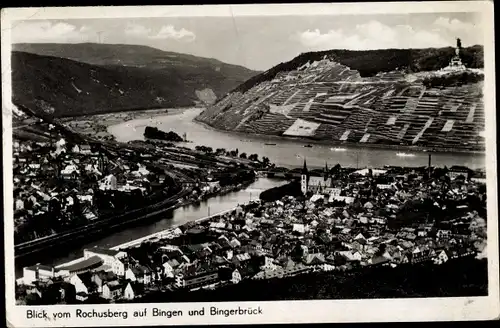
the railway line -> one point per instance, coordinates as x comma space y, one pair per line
96, 228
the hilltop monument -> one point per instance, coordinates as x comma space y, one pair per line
456, 62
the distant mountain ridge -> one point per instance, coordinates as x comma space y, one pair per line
160, 78
127, 55
379, 97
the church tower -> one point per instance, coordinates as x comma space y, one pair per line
304, 179
326, 173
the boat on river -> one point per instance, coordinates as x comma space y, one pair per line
308, 146
338, 149
270, 144
400, 154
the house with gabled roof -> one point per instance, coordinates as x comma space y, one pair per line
113, 290
133, 290
235, 243
351, 255
248, 271
359, 236
314, 259
83, 283
113, 258
239, 259
139, 273
101, 278
378, 260
169, 267
441, 257
38, 272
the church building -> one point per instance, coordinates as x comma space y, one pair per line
315, 183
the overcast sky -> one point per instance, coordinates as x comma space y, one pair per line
262, 42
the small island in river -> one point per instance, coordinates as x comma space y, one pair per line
155, 133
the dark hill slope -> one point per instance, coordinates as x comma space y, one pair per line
196, 72
64, 87
370, 62
76, 88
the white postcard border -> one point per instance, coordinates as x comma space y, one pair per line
313, 311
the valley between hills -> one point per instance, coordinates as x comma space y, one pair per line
377, 98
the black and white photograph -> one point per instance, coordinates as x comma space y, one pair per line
206, 162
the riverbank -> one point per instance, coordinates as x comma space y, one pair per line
97, 125
160, 235
136, 113
26, 252
288, 152
307, 140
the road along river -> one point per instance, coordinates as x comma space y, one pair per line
286, 152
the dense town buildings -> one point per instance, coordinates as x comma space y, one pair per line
397, 216
60, 185
66, 186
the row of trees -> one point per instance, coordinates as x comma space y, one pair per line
277, 193
233, 153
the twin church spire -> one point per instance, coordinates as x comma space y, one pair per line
314, 183
305, 171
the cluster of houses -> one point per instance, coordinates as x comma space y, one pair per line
349, 225
58, 179
104, 273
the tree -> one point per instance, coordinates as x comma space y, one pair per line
243, 155
253, 157
265, 161
439, 172
77, 207
336, 170
339, 260
297, 252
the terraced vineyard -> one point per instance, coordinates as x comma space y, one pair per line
325, 100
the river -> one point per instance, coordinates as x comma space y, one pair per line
285, 152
